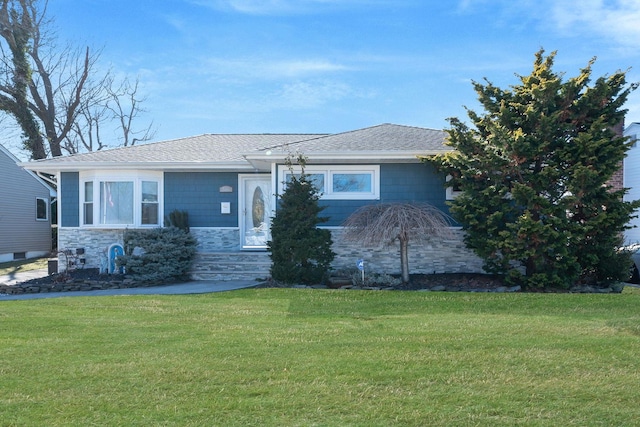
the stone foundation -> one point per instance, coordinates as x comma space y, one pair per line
94, 242
216, 239
430, 257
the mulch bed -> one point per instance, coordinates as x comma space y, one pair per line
88, 279
444, 282
77, 280
463, 281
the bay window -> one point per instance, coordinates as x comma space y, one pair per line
119, 199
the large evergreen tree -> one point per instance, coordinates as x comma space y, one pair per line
533, 172
300, 252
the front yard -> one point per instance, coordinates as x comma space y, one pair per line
273, 357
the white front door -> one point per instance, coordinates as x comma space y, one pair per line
255, 211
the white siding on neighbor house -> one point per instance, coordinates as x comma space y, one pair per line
632, 179
20, 232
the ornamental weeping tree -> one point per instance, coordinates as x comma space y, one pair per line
300, 251
533, 172
384, 223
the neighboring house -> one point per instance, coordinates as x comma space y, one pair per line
229, 184
631, 173
25, 214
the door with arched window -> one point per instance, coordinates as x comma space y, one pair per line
256, 209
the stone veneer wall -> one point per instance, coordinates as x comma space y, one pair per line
441, 256
94, 242
216, 239
425, 257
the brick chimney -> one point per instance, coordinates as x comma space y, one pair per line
617, 179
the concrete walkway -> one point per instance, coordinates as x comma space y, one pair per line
196, 287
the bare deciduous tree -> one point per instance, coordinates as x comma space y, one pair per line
117, 103
15, 78
124, 105
55, 93
384, 223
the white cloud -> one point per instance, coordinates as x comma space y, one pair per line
618, 20
261, 7
311, 94
259, 68
288, 98
301, 67
286, 7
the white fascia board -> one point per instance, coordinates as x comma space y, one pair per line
165, 166
347, 156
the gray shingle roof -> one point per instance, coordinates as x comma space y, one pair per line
381, 138
213, 148
232, 150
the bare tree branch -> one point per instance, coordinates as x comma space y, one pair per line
125, 107
56, 89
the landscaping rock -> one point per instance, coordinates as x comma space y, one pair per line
78, 280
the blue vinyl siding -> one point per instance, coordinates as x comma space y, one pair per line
199, 194
398, 183
70, 198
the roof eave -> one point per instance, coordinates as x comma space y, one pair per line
84, 166
346, 156
254, 161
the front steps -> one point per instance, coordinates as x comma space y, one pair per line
225, 266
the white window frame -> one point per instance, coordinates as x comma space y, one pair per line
46, 209
329, 171
450, 192
136, 177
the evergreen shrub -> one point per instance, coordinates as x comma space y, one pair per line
534, 170
300, 251
158, 255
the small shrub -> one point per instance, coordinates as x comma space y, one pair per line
158, 255
370, 279
375, 279
179, 219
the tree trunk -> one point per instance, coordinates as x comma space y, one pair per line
404, 259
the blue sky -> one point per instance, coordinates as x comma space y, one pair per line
288, 66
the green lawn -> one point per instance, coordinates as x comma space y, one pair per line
291, 357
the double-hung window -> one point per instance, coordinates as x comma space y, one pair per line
149, 206
353, 182
87, 205
120, 199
